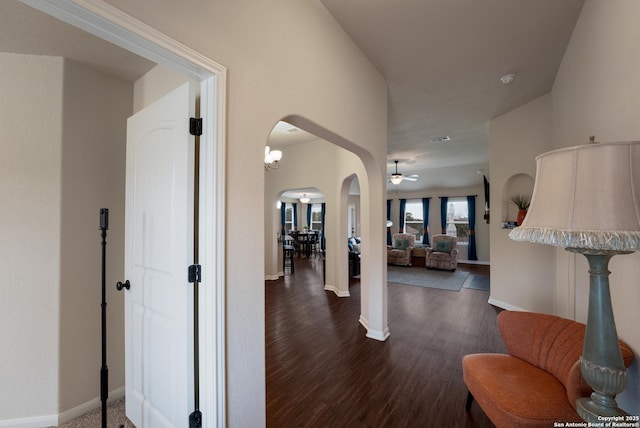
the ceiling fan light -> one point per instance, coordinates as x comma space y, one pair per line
396, 179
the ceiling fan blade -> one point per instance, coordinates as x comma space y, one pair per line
411, 177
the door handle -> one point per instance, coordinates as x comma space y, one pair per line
121, 285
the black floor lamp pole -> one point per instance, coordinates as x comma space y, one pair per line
104, 370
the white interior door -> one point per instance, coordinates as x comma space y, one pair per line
158, 251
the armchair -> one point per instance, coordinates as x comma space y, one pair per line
443, 253
400, 252
538, 382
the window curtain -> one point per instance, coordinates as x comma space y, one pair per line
425, 221
323, 210
443, 213
295, 215
309, 209
403, 208
283, 219
388, 218
471, 207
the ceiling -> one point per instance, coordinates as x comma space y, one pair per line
442, 60
25, 30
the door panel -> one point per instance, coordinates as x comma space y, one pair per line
158, 251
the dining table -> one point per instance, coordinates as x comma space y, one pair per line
305, 242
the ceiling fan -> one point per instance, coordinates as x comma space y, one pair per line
396, 178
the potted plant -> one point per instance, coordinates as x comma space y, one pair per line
522, 202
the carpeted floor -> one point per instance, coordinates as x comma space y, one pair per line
115, 417
441, 279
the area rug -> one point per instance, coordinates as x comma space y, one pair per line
478, 282
441, 279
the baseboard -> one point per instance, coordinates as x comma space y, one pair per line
363, 322
35, 422
473, 262
336, 291
503, 305
273, 277
64, 417
378, 335
374, 334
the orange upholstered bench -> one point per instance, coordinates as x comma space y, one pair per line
538, 382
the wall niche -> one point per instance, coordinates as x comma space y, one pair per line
518, 184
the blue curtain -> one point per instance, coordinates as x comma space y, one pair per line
295, 215
425, 221
403, 208
443, 213
388, 218
323, 210
309, 215
471, 206
283, 219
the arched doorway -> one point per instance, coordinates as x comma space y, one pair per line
326, 162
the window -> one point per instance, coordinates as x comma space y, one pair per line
413, 219
288, 218
458, 219
316, 216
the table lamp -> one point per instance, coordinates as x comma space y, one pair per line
587, 199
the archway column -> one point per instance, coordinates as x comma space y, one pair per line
373, 268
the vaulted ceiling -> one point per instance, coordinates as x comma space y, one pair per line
442, 60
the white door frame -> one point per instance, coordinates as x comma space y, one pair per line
111, 24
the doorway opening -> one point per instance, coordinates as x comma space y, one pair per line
113, 26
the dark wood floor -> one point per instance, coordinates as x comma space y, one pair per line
323, 372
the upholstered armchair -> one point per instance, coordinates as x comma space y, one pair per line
538, 382
400, 252
443, 253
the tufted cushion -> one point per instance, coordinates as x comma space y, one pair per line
400, 244
443, 247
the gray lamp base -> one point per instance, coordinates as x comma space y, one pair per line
601, 362
591, 411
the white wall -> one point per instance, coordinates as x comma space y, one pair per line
93, 177
62, 160
329, 83
522, 274
597, 92
30, 186
157, 82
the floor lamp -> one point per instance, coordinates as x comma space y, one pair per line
587, 200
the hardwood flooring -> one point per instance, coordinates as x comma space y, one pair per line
323, 372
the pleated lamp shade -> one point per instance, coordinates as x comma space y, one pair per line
586, 197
